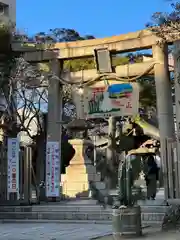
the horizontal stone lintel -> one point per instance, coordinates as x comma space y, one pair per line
143, 39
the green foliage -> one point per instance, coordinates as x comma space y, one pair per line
94, 104
89, 63
53, 36
167, 25
79, 64
67, 93
148, 92
67, 35
6, 27
118, 60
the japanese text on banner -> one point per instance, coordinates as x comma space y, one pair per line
52, 169
13, 165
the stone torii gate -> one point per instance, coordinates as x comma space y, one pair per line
117, 44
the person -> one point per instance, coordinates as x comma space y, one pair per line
151, 177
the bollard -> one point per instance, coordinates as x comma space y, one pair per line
126, 221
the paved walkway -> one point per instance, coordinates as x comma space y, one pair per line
151, 234
57, 231
52, 231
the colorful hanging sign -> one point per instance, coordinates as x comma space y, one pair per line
119, 99
52, 169
13, 165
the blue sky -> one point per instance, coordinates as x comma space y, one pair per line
100, 18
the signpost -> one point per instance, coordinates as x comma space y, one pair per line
103, 101
13, 166
52, 169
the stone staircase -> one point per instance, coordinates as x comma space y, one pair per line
79, 211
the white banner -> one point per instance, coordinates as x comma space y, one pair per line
52, 169
13, 165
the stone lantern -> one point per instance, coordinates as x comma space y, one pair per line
81, 171
81, 127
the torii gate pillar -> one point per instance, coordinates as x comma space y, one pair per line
177, 100
165, 114
53, 165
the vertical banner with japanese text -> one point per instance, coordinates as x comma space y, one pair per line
13, 165
52, 169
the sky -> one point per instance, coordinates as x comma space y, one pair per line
100, 18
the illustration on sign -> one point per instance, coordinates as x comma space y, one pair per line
113, 100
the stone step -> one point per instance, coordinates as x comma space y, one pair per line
81, 176
57, 210
76, 208
145, 209
85, 184
93, 216
109, 222
154, 209
157, 202
88, 210
75, 211
81, 168
82, 185
56, 221
81, 188
56, 216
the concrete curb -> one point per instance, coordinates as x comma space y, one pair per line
56, 221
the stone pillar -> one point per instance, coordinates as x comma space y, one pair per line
75, 183
40, 166
177, 100
55, 108
164, 108
110, 152
27, 174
